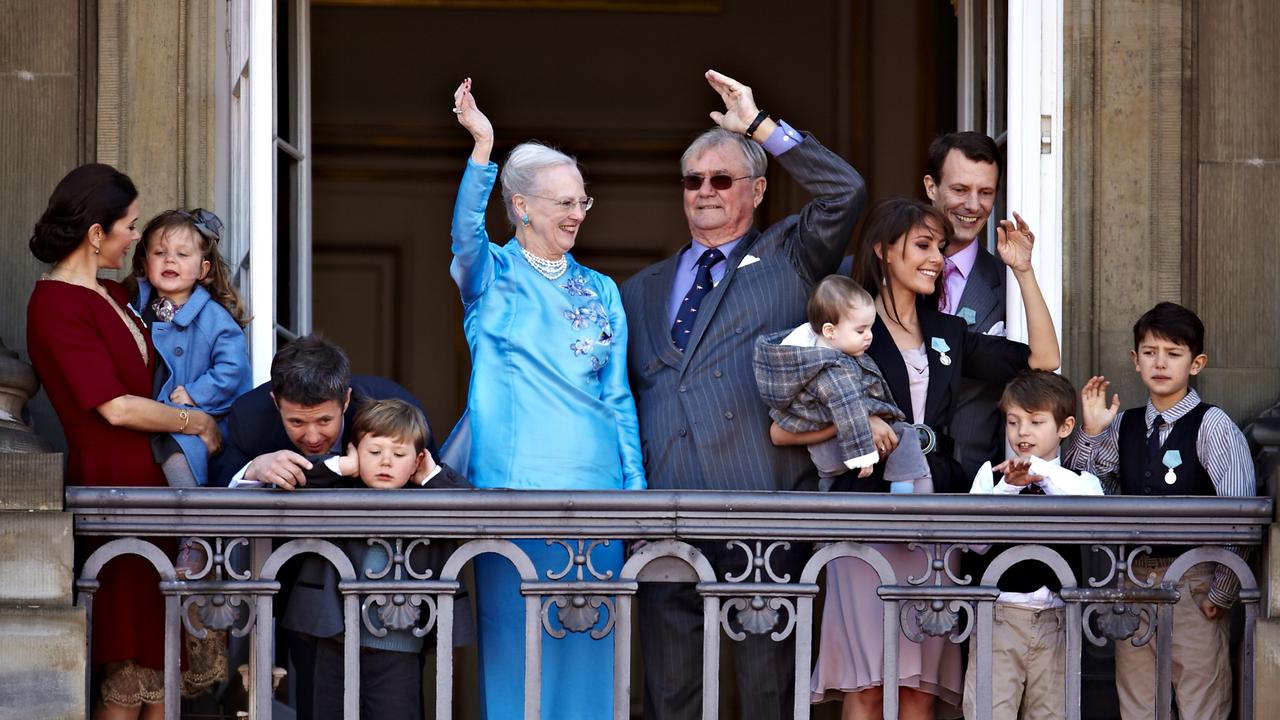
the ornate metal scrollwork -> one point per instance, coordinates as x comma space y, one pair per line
579, 559
218, 559
1122, 565
1118, 621
398, 611
578, 613
398, 560
218, 611
936, 618
938, 561
759, 561
758, 616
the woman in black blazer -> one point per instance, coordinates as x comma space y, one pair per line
922, 354
901, 263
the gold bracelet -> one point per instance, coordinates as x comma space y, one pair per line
186, 418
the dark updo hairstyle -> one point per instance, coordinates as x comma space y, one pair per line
90, 195
889, 221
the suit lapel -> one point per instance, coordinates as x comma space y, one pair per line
707, 310
983, 289
657, 293
889, 359
931, 326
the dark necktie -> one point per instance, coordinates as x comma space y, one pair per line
1153, 440
702, 285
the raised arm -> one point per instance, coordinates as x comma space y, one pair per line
470, 117
817, 243
1095, 444
472, 267
1014, 242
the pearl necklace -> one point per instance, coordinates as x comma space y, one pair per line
549, 269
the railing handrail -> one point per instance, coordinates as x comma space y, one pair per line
686, 514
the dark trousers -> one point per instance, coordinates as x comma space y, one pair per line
670, 633
390, 683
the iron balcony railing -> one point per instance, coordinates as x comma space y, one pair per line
934, 600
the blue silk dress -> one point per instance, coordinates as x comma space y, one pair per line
548, 407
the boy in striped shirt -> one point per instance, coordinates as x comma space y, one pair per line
1174, 445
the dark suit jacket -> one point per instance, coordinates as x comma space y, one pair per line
702, 423
973, 356
976, 427
254, 427
315, 605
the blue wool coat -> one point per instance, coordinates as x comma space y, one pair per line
206, 352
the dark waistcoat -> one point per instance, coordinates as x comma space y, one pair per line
1140, 475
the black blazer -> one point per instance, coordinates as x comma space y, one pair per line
979, 357
253, 427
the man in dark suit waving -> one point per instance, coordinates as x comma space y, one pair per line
962, 178
694, 318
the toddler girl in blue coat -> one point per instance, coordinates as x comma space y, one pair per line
184, 294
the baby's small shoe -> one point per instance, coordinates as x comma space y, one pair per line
191, 559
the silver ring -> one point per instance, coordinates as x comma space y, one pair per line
457, 111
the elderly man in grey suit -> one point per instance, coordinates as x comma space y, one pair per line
963, 174
694, 318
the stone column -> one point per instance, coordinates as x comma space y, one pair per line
155, 100
42, 636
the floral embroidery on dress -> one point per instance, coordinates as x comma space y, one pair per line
577, 285
582, 317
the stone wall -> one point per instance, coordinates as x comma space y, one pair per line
42, 636
1172, 150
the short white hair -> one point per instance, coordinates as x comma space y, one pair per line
520, 173
752, 153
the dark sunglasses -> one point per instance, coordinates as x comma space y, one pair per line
718, 182
207, 224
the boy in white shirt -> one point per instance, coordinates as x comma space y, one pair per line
1028, 644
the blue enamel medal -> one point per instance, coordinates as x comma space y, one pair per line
1171, 460
940, 346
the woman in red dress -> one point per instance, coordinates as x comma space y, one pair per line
96, 361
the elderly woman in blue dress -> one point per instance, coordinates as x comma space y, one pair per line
548, 407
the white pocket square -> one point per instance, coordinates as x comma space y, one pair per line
748, 260
997, 330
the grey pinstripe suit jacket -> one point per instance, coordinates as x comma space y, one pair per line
702, 423
976, 426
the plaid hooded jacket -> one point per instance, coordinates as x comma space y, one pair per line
810, 387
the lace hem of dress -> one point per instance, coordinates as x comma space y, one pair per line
130, 685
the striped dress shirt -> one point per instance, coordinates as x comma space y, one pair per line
1220, 447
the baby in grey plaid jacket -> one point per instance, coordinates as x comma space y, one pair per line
819, 374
